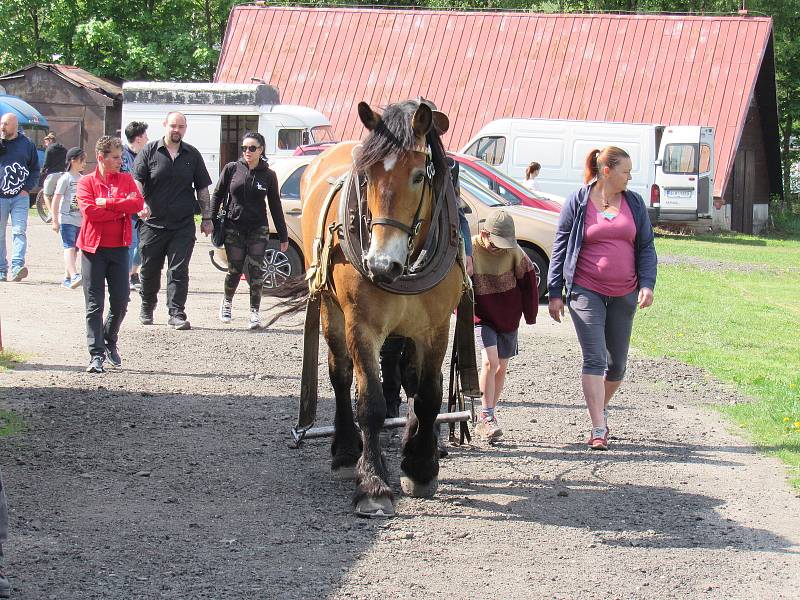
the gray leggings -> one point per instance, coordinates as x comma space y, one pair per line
603, 325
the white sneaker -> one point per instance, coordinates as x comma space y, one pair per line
255, 319
225, 310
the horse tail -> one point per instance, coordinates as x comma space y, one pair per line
294, 291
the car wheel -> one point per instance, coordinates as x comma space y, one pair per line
279, 266
540, 265
41, 207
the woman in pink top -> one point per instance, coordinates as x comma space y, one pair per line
605, 257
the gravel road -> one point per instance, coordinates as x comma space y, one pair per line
172, 477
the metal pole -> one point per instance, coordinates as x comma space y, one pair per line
327, 431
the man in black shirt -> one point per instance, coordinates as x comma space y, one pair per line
173, 178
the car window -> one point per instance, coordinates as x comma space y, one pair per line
489, 149
680, 159
289, 139
483, 195
476, 175
290, 190
507, 195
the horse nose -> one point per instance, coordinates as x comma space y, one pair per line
383, 269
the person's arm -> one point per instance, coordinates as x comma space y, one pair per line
647, 260
202, 180
276, 210
222, 188
141, 173
88, 203
54, 208
33, 172
132, 203
555, 275
465, 235
526, 282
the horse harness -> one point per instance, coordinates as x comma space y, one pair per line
353, 228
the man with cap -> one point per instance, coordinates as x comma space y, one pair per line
505, 288
19, 173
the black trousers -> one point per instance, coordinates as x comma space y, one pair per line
106, 265
176, 246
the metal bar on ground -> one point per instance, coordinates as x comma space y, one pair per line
453, 417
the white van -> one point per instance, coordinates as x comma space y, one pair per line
672, 166
219, 114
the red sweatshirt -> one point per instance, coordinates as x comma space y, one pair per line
505, 287
107, 226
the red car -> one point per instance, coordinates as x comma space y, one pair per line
501, 184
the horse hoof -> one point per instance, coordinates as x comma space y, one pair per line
344, 473
419, 490
371, 508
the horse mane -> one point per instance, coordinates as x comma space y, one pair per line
394, 134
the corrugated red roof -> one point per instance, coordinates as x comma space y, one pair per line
479, 66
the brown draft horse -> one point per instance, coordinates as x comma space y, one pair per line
357, 315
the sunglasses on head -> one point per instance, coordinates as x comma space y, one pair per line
250, 148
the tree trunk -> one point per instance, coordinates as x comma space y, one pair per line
786, 161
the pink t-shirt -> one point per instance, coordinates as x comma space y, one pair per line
606, 262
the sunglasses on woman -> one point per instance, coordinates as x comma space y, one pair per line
250, 148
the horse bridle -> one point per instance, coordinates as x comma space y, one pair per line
416, 224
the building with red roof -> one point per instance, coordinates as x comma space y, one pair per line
478, 66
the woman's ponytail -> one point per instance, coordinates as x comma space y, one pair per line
591, 170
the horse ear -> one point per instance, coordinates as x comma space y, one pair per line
440, 122
368, 116
422, 121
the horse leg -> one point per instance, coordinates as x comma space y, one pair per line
346, 444
420, 464
373, 496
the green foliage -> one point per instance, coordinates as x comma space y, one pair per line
729, 305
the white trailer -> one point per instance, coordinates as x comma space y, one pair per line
672, 165
219, 114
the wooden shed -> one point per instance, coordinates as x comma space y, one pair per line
478, 66
80, 107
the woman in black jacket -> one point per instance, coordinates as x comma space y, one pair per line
249, 184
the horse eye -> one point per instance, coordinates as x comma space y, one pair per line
419, 178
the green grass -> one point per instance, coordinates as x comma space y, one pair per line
738, 323
10, 423
9, 358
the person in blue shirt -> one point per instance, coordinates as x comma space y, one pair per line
19, 173
136, 135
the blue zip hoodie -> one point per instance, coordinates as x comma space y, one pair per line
569, 239
19, 166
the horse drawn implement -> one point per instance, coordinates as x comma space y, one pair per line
381, 233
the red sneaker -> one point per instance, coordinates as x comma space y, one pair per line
598, 438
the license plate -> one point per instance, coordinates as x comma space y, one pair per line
680, 193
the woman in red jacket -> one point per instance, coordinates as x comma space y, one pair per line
107, 199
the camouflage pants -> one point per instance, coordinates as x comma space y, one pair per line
245, 250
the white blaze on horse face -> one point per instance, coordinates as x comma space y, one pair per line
389, 162
387, 246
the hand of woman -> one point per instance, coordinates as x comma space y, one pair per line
101, 202
284, 246
556, 308
55, 226
645, 297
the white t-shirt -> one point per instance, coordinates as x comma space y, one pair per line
67, 186
530, 184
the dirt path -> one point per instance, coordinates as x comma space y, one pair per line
172, 478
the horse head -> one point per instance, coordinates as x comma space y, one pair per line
396, 160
